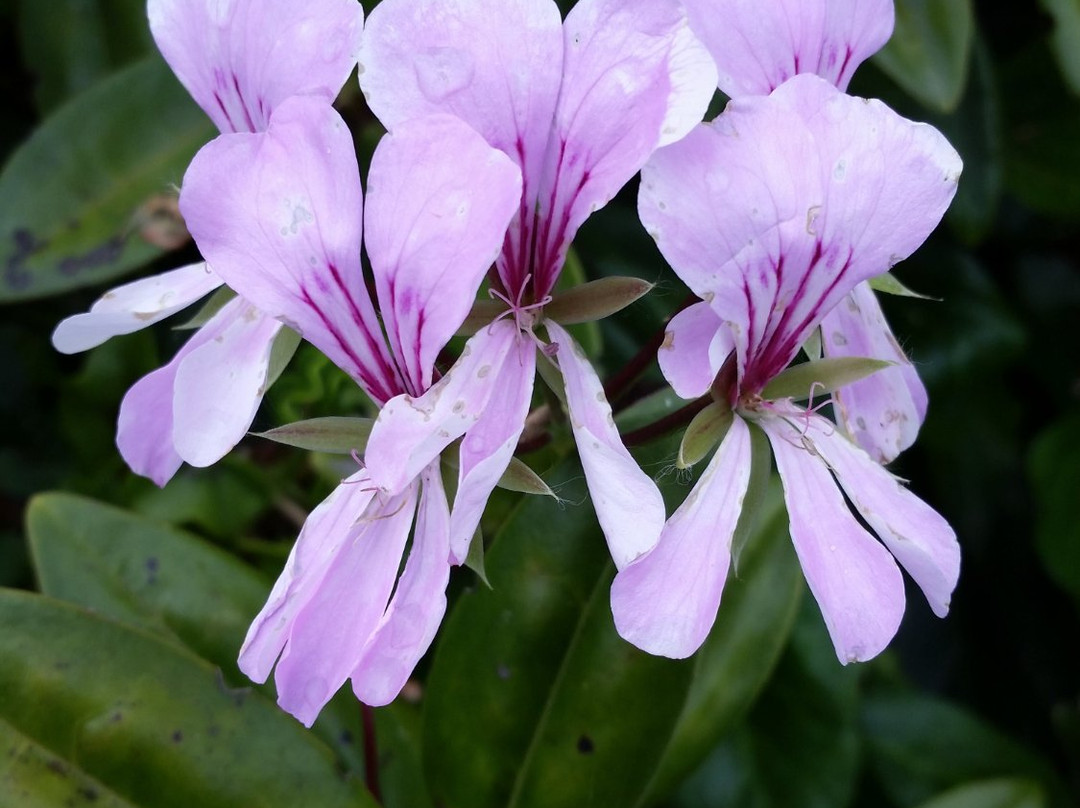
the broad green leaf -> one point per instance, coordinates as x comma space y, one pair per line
68, 45
33, 777
533, 699
913, 765
1054, 471
810, 379
991, 794
1066, 38
333, 434
397, 728
70, 196
595, 300
755, 619
929, 51
164, 580
150, 721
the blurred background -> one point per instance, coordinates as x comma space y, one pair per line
981, 709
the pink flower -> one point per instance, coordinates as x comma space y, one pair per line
284, 230
239, 60
578, 105
757, 47
772, 214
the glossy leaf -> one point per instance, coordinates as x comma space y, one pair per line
118, 695
1054, 469
991, 794
110, 151
333, 434
756, 616
1066, 38
929, 51
70, 44
533, 699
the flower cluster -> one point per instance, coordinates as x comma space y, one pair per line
507, 127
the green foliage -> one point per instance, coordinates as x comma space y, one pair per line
76, 197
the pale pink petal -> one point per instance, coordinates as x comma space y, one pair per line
333, 625
853, 578
326, 531
411, 432
412, 619
489, 445
695, 346
134, 306
760, 45
220, 384
439, 201
779, 208
884, 411
496, 64
666, 601
240, 59
144, 426
635, 79
627, 502
916, 534
284, 232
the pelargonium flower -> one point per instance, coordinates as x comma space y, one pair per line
239, 59
284, 229
757, 47
578, 105
772, 214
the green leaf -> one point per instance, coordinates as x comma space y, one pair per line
914, 765
991, 794
332, 434
651, 408
1065, 40
68, 45
929, 51
33, 777
70, 194
703, 433
595, 300
150, 721
755, 620
397, 728
1054, 469
821, 377
533, 699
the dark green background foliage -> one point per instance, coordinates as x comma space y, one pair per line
123, 605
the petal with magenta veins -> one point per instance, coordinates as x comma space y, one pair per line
285, 231
854, 579
495, 64
325, 532
411, 432
627, 502
240, 59
439, 201
758, 46
409, 625
333, 625
916, 534
635, 79
666, 601
134, 306
489, 445
883, 412
220, 384
775, 211
696, 343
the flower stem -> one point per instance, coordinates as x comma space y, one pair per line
371, 752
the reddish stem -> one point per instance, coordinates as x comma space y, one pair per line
371, 752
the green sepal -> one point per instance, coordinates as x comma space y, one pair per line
754, 500
474, 560
521, 478
332, 434
596, 300
281, 353
812, 347
215, 303
887, 284
482, 314
822, 377
552, 376
706, 430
